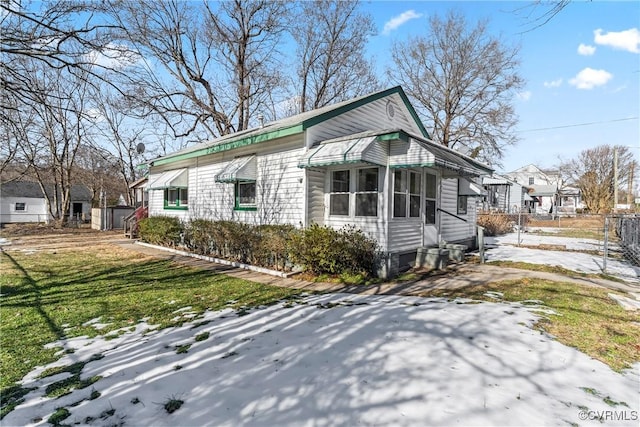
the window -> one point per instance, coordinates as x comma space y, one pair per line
414, 194
245, 195
406, 194
462, 205
430, 192
176, 198
400, 194
20, 206
339, 196
367, 192
531, 180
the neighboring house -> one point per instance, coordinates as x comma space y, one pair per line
542, 187
550, 194
23, 201
504, 195
367, 162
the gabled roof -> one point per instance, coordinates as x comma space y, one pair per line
288, 126
32, 190
496, 180
542, 190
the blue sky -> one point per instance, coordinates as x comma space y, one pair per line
581, 67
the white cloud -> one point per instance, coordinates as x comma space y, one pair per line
628, 40
113, 56
586, 50
590, 78
397, 21
524, 96
553, 83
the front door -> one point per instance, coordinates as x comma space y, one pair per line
430, 210
76, 210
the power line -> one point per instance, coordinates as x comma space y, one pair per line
580, 124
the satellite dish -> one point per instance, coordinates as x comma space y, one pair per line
140, 148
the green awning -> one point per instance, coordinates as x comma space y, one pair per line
239, 169
177, 178
344, 151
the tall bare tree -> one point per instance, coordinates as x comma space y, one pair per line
593, 173
208, 67
50, 131
464, 81
56, 34
331, 37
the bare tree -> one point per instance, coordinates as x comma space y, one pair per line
331, 37
464, 81
120, 134
540, 12
220, 59
593, 173
50, 131
55, 34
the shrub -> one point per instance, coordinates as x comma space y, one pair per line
496, 224
274, 246
324, 250
161, 230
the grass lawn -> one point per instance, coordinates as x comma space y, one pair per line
585, 317
553, 269
48, 296
576, 233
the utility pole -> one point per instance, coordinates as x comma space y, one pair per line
615, 178
630, 195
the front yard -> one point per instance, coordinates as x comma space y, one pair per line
104, 335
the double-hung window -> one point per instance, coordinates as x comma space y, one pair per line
20, 206
339, 195
406, 194
367, 192
245, 195
462, 202
176, 198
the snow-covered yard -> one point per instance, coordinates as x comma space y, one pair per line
504, 248
341, 360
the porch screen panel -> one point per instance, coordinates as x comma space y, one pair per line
430, 192
339, 197
400, 194
367, 192
414, 194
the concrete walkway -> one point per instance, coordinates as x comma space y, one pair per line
456, 276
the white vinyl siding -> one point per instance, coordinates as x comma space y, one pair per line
366, 117
452, 229
279, 186
315, 191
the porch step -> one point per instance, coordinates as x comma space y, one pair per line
439, 257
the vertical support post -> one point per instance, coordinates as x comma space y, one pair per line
519, 224
615, 178
605, 249
481, 243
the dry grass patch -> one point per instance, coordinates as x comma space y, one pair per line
585, 317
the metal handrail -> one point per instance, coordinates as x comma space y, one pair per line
453, 215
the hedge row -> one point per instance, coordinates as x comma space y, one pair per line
317, 249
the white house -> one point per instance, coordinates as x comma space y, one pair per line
550, 194
367, 162
24, 201
504, 195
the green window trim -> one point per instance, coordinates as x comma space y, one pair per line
179, 205
248, 207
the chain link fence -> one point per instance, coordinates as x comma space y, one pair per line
612, 241
622, 243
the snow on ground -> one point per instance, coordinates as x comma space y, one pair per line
342, 360
506, 250
532, 239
